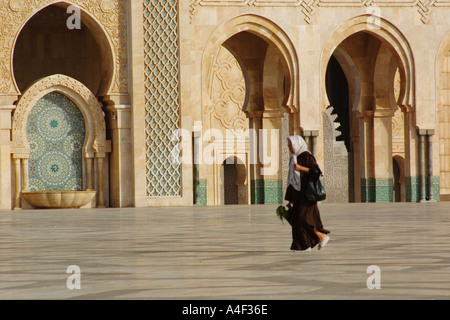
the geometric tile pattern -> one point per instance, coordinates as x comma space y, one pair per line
377, 190
267, 191
412, 188
201, 192
55, 132
162, 108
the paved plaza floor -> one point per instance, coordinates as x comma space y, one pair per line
225, 252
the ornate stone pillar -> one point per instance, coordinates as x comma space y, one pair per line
24, 164
196, 136
430, 164
266, 180
17, 185
255, 167
382, 140
89, 166
366, 156
119, 117
100, 192
426, 164
311, 140
5, 157
270, 156
422, 134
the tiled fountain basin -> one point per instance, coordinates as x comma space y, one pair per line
58, 199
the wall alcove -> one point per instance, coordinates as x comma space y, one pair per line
59, 145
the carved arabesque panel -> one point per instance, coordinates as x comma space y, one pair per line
228, 92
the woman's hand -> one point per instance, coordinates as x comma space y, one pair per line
301, 168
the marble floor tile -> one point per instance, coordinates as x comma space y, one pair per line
226, 252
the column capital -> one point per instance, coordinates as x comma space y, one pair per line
425, 132
309, 133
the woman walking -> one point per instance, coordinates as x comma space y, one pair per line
304, 215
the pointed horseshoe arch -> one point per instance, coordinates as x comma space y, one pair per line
101, 36
265, 29
90, 107
385, 31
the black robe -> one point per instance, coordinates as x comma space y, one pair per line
304, 216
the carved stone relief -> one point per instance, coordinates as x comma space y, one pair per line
228, 92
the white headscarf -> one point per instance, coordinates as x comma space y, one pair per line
298, 146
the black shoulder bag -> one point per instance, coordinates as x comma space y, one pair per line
315, 190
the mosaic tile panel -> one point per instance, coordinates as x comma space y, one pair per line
200, 192
161, 96
267, 191
56, 133
412, 188
377, 190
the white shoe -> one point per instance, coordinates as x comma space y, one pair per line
306, 250
324, 242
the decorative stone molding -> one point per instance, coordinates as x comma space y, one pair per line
95, 142
110, 15
310, 7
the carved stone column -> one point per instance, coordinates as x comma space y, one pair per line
89, 166
25, 174
5, 156
17, 185
119, 118
430, 164
422, 133
100, 192
311, 140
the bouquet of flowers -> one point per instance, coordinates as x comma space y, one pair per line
283, 212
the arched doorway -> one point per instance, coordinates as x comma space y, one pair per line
376, 63
265, 78
233, 176
399, 178
230, 189
46, 46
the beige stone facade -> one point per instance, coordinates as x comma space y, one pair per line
190, 102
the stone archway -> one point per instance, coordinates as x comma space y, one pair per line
48, 25
95, 146
374, 98
269, 81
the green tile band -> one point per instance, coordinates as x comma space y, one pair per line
412, 186
377, 190
267, 191
200, 192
